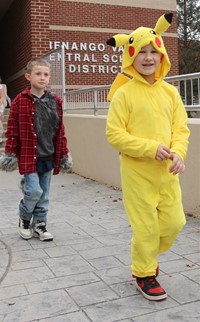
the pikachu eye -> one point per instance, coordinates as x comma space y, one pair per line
152, 32
131, 40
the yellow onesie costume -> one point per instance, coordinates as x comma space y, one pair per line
142, 116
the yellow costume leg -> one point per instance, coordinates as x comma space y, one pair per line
152, 200
171, 215
141, 198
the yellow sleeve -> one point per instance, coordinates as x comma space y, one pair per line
180, 131
118, 135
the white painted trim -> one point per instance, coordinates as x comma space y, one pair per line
154, 4
15, 76
101, 30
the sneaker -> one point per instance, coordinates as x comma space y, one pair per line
41, 232
25, 230
150, 288
157, 272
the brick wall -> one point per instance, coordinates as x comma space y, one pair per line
40, 20
30, 25
15, 30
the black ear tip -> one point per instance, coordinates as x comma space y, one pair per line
169, 16
111, 42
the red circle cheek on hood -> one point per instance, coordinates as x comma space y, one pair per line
131, 51
158, 42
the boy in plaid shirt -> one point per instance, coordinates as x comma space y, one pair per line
36, 142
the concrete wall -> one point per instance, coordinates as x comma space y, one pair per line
94, 158
190, 180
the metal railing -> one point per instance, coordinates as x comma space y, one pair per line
189, 88
56, 58
94, 99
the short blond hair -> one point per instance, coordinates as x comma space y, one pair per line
36, 62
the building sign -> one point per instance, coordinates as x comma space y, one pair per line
86, 57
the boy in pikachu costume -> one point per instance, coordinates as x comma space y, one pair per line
147, 124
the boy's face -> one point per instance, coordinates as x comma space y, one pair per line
39, 77
147, 61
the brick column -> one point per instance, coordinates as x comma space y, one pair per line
40, 19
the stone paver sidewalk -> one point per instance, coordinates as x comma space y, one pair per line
84, 273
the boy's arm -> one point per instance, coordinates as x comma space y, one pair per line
180, 131
66, 161
12, 132
118, 136
8, 160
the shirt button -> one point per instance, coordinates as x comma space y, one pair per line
35, 146
34, 157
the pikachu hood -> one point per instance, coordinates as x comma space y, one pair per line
133, 43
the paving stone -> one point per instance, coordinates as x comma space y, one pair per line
179, 265
184, 313
105, 262
28, 264
30, 254
125, 257
68, 265
193, 258
84, 274
92, 293
63, 241
104, 251
37, 306
115, 275
168, 256
129, 307
85, 246
185, 248
59, 251
4, 258
12, 291
125, 289
27, 275
195, 235
180, 288
70, 317
64, 282
113, 239
194, 275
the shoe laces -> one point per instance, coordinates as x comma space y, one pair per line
42, 227
150, 281
25, 223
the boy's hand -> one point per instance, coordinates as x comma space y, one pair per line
163, 153
8, 162
66, 163
178, 165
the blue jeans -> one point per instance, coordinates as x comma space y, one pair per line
35, 203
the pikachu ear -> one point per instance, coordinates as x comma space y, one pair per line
118, 40
163, 23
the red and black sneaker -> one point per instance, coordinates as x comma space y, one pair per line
150, 288
157, 272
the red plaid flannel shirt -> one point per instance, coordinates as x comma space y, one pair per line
21, 137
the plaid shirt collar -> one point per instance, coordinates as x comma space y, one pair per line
27, 92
